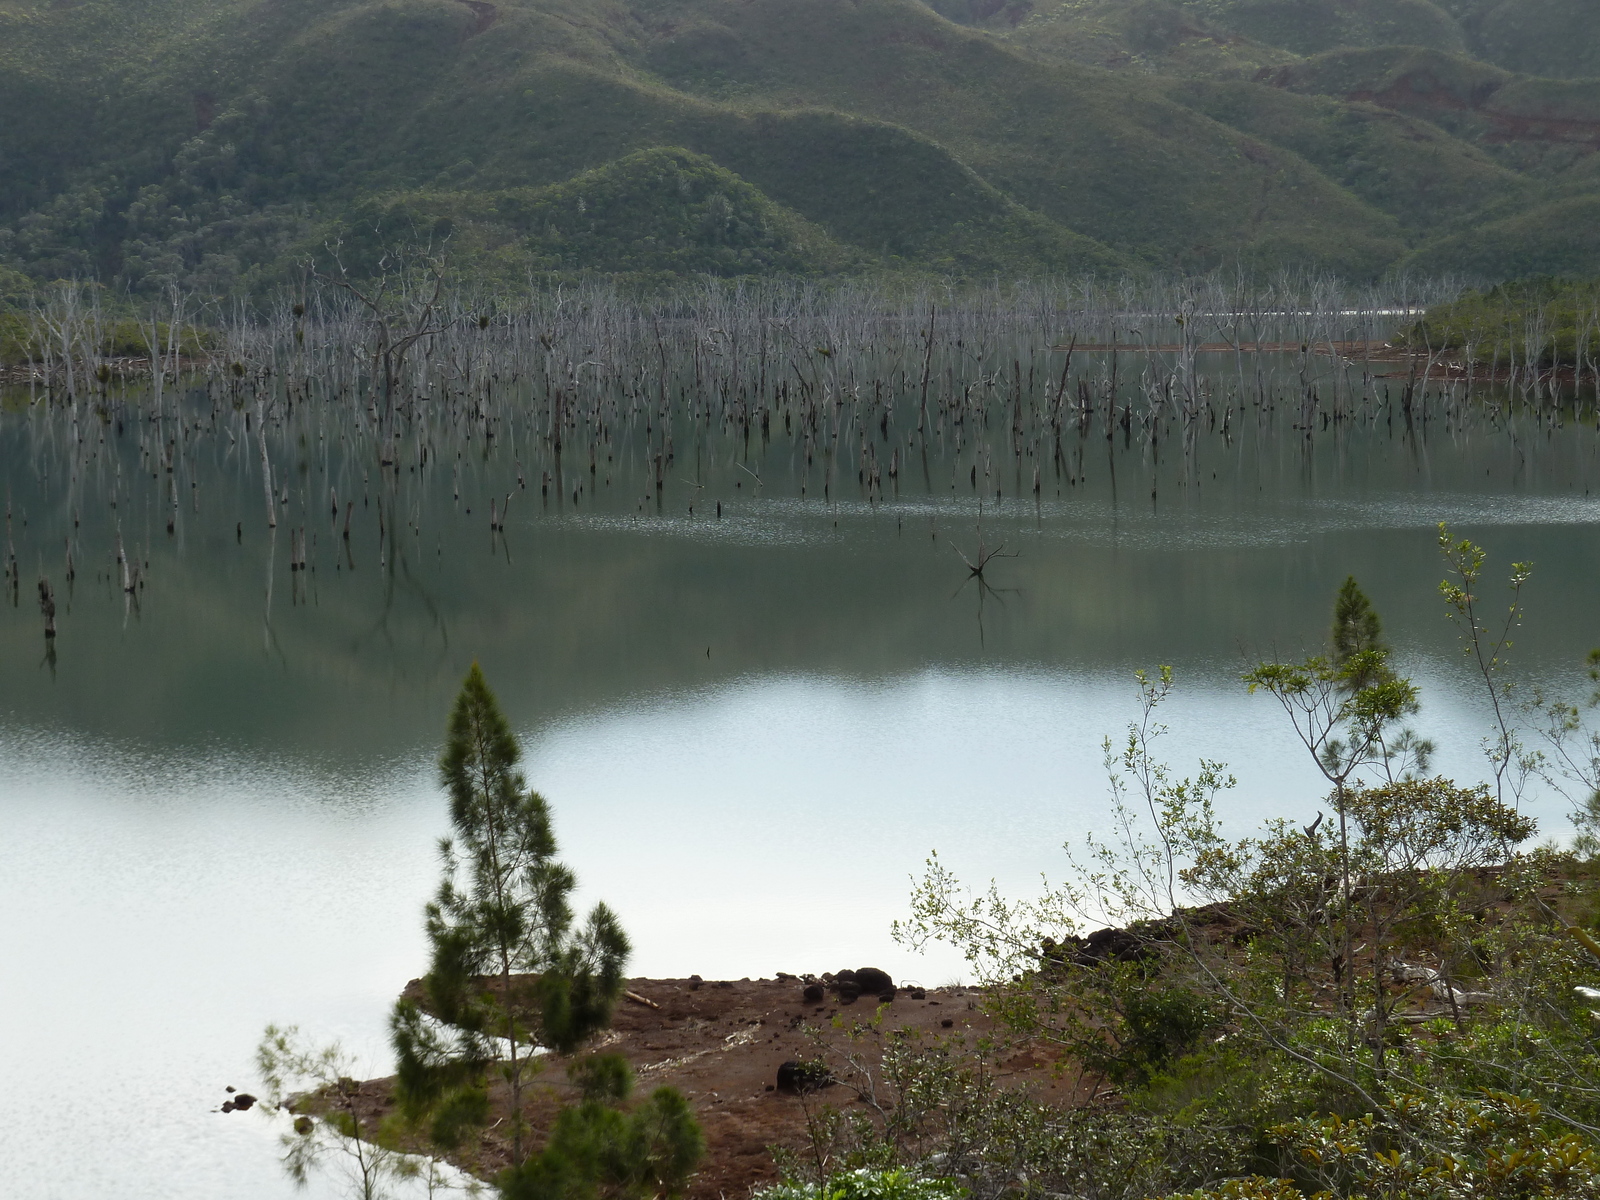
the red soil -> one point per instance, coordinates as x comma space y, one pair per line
721, 1044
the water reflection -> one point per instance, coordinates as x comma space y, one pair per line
754, 713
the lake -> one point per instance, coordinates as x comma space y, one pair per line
757, 698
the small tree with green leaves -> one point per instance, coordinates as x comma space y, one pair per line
332, 1128
1574, 758
1486, 641
1346, 707
1356, 627
510, 970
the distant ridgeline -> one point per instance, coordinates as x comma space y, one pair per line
220, 144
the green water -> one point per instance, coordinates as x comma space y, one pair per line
600, 587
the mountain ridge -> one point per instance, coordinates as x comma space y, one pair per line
215, 146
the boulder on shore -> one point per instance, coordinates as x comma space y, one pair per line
873, 980
796, 1076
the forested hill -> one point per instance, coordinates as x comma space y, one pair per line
217, 143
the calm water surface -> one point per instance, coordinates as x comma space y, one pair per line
217, 806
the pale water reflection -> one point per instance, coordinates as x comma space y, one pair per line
162, 910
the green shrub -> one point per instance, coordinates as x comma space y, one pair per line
599, 1149
893, 1183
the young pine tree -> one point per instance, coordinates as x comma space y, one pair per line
1357, 637
510, 970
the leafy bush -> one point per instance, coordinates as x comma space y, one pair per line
599, 1150
865, 1183
1496, 1145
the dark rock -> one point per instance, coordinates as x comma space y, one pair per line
846, 976
873, 980
1119, 944
244, 1102
1142, 939
886, 997
918, 994
227, 1106
1103, 945
814, 993
796, 1076
849, 992
946, 1023
694, 983
230, 1088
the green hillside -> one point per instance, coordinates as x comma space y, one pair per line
1397, 163
654, 211
1559, 38
1154, 36
218, 144
1107, 156
1554, 38
1314, 26
1562, 238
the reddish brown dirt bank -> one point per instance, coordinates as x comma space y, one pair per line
721, 1043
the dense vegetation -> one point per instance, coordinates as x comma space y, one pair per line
1542, 323
220, 146
1386, 996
